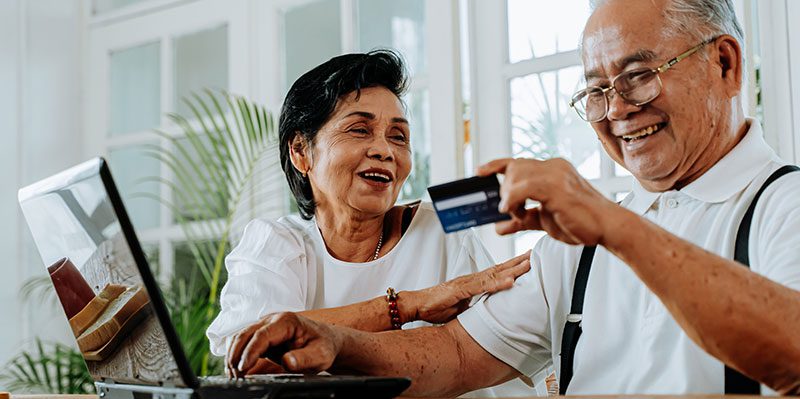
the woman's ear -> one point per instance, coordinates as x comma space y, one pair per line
300, 154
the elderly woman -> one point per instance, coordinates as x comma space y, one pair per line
345, 150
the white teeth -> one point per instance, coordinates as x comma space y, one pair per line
378, 175
641, 133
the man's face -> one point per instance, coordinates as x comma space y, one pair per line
682, 121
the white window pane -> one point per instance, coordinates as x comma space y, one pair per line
101, 6
135, 89
130, 167
312, 35
418, 104
201, 61
543, 125
394, 24
539, 28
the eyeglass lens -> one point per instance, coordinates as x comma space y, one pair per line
637, 87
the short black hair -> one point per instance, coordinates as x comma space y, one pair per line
313, 97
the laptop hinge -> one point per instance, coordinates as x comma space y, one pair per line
110, 390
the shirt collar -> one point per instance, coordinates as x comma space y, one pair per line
728, 176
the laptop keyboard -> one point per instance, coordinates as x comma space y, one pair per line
252, 379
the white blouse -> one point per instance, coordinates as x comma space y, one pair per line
284, 265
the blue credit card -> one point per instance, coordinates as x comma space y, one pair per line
466, 203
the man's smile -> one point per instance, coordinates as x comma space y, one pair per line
644, 132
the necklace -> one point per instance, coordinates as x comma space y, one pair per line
378, 248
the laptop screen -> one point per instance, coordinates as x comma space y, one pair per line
80, 231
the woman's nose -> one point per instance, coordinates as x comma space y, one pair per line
380, 148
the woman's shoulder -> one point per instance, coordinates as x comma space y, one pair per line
290, 229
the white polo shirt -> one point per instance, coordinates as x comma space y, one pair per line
630, 342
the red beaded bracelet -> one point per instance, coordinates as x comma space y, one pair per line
394, 314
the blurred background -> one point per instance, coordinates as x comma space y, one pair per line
490, 79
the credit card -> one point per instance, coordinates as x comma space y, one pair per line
466, 203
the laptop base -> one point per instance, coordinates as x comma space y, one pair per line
123, 391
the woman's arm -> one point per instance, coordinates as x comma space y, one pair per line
437, 304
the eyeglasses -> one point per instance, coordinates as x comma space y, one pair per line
637, 87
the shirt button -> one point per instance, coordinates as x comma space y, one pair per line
672, 203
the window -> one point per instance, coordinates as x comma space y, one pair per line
145, 57
536, 72
145, 64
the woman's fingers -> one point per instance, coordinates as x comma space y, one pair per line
495, 278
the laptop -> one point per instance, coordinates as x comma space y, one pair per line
115, 308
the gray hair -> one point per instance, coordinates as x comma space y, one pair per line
700, 19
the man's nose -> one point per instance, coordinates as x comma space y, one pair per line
618, 108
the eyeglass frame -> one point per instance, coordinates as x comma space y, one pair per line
657, 71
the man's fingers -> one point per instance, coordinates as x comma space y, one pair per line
240, 341
521, 220
265, 366
279, 330
313, 358
514, 192
493, 167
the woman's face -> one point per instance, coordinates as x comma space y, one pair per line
361, 156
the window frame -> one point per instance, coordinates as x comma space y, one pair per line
122, 29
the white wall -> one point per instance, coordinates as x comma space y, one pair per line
41, 64
9, 132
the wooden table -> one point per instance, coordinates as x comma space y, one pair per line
577, 397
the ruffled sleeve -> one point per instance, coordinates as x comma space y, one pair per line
267, 273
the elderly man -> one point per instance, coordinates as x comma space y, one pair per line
665, 307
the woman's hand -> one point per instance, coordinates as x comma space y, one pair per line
282, 342
443, 302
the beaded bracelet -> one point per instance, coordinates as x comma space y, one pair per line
394, 314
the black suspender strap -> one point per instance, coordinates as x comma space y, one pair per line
572, 330
735, 382
741, 252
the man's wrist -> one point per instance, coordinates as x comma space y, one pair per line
619, 224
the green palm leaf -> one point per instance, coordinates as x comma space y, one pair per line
51, 368
216, 163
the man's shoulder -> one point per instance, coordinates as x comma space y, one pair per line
780, 193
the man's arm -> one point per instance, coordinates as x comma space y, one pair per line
740, 317
441, 361
736, 315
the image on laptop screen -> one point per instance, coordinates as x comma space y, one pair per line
77, 230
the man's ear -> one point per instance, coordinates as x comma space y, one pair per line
729, 59
300, 153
